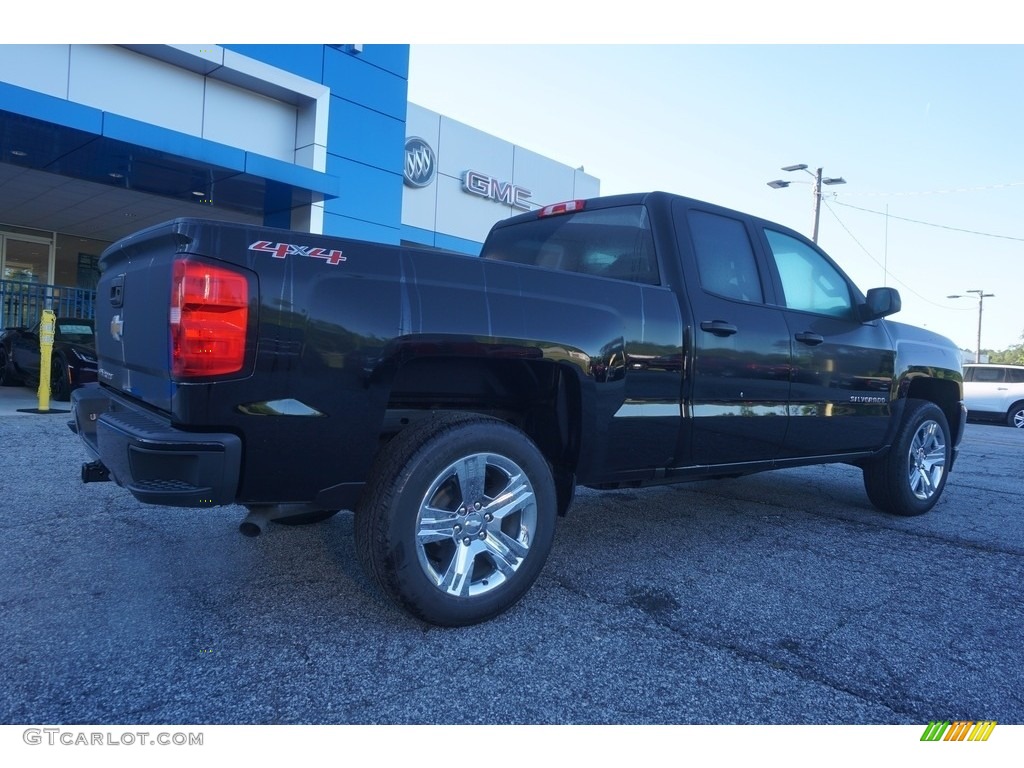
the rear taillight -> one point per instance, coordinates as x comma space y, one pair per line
209, 319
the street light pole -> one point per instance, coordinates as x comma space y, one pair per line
817, 204
981, 303
818, 181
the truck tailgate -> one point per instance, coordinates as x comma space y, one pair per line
132, 303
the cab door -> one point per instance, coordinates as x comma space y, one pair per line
738, 385
842, 368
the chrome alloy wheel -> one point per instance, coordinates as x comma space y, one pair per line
1017, 418
927, 460
475, 524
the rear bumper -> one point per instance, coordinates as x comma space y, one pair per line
156, 462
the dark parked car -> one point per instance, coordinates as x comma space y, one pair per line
73, 359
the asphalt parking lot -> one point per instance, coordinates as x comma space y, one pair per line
776, 598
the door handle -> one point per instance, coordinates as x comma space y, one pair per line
811, 339
718, 327
117, 291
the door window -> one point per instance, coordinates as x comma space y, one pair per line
809, 282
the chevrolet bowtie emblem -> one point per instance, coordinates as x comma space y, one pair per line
116, 327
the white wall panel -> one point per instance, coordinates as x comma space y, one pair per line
464, 215
586, 185
548, 181
42, 68
423, 123
127, 83
461, 148
312, 156
419, 204
241, 118
138, 86
445, 207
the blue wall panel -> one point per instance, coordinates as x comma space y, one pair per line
459, 244
366, 128
428, 238
49, 108
393, 58
357, 229
296, 175
354, 79
303, 60
154, 137
418, 235
367, 193
361, 134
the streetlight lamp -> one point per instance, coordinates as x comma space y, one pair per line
818, 181
981, 302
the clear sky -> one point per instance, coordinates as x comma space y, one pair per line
928, 134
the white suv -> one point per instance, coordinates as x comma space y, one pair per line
995, 393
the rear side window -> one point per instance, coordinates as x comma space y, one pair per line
725, 258
609, 242
989, 374
1015, 375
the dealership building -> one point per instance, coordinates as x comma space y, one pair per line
98, 141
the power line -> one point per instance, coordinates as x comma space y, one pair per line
931, 224
885, 269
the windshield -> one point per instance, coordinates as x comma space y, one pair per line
75, 331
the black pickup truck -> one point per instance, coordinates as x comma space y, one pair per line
455, 402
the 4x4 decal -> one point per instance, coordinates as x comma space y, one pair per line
282, 250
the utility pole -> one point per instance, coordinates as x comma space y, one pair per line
981, 303
818, 181
817, 204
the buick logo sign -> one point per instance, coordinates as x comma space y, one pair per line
420, 162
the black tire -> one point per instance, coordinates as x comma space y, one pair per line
60, 384
307, 518
493, 501
910, 478
1015, 416
7, 375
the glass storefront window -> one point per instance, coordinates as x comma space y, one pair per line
27, 261
77, 262
25, 257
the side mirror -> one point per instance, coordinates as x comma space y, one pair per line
881, 302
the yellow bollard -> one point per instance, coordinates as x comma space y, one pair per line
47, 330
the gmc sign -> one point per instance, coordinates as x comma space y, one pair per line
480, 184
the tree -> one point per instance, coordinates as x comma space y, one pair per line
1011, 356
